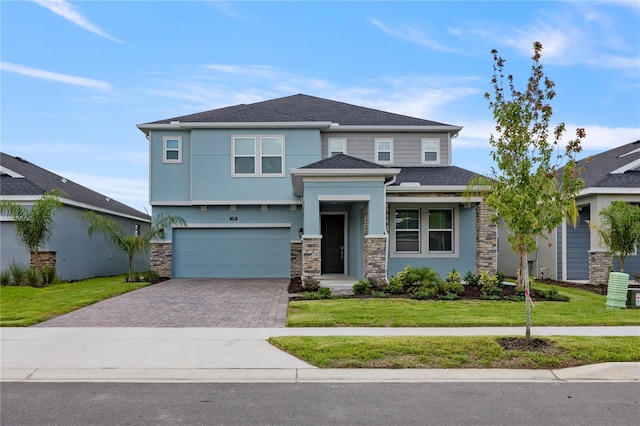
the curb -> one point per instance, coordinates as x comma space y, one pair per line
610, 372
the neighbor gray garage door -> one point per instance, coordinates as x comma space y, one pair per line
231, 253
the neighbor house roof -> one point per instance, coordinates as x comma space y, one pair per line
302, 109
617, 168
20, 179
433, 176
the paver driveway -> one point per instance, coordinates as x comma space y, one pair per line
188, 303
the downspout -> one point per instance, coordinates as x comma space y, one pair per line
386, 231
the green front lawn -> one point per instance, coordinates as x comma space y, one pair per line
24, 306
584, 308
455, 352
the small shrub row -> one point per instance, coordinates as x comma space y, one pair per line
418, 283
18, 274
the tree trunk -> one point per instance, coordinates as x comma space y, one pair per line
523, 280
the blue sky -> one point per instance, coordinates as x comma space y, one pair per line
76, 77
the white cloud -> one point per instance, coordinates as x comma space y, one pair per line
413, 35
602, 138
53, 76
68, 12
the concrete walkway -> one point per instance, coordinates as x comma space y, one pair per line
243, 355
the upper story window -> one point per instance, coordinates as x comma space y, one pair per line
258, 156
440, 230
384, 151
407, 222
172, 149
430, 151
337, 146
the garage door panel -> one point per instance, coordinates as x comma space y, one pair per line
231, 253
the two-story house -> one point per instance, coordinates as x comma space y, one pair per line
305, 186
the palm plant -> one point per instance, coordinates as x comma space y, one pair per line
34, 227
619, 229
130, 244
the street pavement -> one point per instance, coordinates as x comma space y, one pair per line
137, 354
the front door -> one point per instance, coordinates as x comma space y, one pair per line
332, 244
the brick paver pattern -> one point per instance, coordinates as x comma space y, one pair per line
188, 303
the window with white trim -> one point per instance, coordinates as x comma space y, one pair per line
258, 156
440, 230
337, 146
384, 151
430, 151
172, 149
407, 230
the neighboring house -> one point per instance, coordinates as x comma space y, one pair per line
575, 253
305, 186
70, 249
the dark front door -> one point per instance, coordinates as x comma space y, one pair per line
332, 244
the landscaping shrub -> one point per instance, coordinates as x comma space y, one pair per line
320, 293
5, 277
310, 284
425, 293
394, 287
18, 273
491, 287
33, 278
415, 279
49, 276
362, 287
379, 294
472, 279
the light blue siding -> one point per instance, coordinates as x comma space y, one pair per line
231, 253
169, 181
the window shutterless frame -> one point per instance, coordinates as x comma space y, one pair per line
440, 232
336, 146
384, 151
172, 149
407, 230
430, 151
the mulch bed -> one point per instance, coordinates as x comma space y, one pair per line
524, 344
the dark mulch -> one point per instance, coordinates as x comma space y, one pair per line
524, 344
598, 289
295, 285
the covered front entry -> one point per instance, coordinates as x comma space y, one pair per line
231, 253
333, 243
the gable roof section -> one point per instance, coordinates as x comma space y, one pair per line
35, 181
616, 168
301, 109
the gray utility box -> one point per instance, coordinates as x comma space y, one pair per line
633, 298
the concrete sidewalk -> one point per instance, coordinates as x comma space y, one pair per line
244, 355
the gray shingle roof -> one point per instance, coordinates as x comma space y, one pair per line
434, 176
598, 168
37, 181
302, 108
343, 161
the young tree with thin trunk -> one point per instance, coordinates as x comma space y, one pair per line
130, 244
525, 192
34, 226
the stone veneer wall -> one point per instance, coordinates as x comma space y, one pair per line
45, 258
375, 258
160, 259
486, 241
311, 260
296, 259
600, 264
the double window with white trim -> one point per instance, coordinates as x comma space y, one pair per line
258, 156
411, 224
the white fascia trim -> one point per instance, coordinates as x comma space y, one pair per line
243, 202
359, 128
233, 225
343, 172
171, 203
361, 197
434, 188
236, 125
5, 171
433, 200
609, 191
33, 198
632, 165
